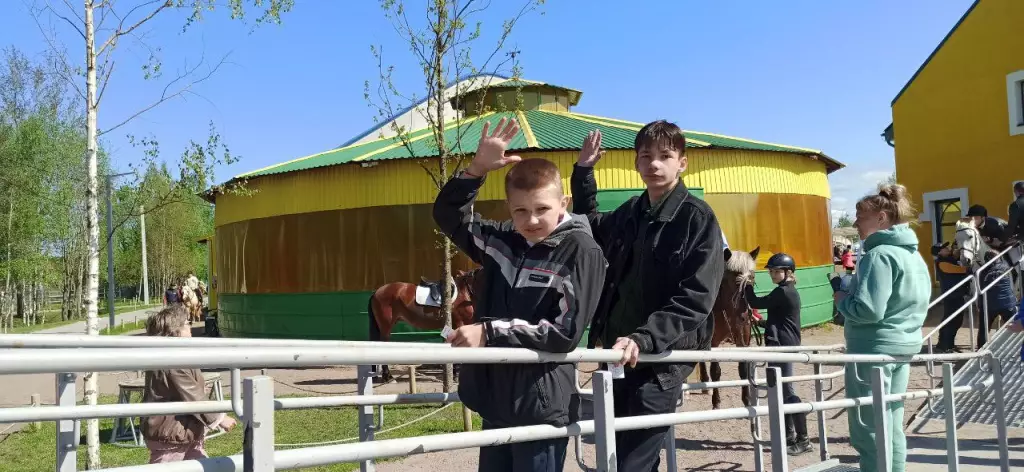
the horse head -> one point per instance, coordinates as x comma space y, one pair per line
968, 240
739, 273
464, 280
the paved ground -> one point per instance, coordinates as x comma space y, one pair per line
102, 322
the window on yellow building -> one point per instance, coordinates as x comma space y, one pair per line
1015, 101
947, 213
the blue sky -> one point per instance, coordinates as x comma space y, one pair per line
810, 73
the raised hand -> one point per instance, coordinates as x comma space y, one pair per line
490, 152
591, 151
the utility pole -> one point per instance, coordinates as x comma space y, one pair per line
110, 250
145, 267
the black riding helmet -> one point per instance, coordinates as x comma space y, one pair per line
977, 210
780, 260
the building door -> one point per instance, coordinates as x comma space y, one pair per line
947, 213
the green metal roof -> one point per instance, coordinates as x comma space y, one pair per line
542, 131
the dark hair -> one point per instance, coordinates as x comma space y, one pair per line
1019, 186
892, 200
532, 174
660, 132
991, 254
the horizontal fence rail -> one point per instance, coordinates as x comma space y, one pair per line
253, 401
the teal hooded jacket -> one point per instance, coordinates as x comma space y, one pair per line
888, 299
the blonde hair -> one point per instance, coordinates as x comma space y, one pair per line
892, 200
168, 322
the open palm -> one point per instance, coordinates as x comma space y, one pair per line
591, 151
490, 151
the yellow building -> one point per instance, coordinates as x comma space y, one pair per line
300, 256
958, 124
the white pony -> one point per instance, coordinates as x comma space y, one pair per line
972, 247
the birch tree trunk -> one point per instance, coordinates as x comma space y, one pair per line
6, 295
92, 434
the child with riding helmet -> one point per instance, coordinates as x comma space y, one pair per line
782, 328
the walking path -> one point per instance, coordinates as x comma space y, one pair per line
102, 322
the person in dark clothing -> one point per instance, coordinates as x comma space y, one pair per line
949, 272
1015, 226
171, 295
666, 263
782, 328
993, 230
543, 274
1002, 302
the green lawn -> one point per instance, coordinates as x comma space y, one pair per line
34, 450
53, 319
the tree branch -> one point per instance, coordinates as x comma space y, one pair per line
68, 20
167, 96
120, 31
63, 67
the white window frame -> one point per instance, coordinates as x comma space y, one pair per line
1015, 101
929, 199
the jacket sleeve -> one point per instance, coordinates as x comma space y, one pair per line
950, 268
767, 302
1012, 226
579, 293
191, 387
687, 310
870, 292
583, 185
453, 213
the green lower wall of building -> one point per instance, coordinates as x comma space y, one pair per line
343, 315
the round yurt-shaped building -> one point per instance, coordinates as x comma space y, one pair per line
300, 253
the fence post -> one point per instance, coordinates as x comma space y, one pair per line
670, 450
604, 421
819, 396
67, 440
35, 402
998, 395
755, 422
365, 373
883, 444
949, 401
776, 420
258, 444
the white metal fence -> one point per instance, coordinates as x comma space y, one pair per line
64, 356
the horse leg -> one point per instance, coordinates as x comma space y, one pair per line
716, 375
703, 372
380, 329
745, 390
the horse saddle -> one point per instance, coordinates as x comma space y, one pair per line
429, 293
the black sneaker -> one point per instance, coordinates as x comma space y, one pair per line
800, 446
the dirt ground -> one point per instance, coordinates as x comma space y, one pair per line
718, 446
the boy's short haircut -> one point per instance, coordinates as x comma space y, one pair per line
532, 174
991, 254
660, 132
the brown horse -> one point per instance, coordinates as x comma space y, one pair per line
733, 319
396, 302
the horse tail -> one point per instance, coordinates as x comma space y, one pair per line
374, 325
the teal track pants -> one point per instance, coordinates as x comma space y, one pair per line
862, 432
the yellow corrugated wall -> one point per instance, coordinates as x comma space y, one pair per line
404, 182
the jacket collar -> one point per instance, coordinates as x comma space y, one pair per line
669, 207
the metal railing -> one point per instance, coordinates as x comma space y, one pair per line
258, 402
969, 305
62, 355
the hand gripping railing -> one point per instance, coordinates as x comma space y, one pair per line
259, 402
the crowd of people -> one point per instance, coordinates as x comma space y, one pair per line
644, 277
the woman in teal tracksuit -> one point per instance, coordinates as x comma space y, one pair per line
884, 309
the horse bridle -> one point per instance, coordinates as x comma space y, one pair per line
740, 298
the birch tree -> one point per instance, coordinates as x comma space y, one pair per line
121, 21
441, 45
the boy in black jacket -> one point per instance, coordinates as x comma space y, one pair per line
542, 279
666, 261
782, 328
